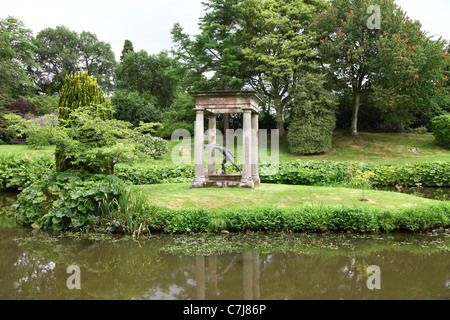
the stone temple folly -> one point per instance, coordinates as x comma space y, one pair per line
210, 104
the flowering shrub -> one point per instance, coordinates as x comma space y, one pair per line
39, 131
151, 146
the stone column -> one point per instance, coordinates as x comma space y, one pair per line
247, 147
255, 157
212, 140
199, 136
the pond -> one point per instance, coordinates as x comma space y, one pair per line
40, 265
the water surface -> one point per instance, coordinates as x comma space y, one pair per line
278, 266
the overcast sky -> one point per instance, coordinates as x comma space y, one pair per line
147, 23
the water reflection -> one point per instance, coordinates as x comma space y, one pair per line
248, 266
442, 194
207, 278
412, 267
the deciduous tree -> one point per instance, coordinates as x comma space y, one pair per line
391, 61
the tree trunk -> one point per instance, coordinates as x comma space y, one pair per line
357, 104
280, 121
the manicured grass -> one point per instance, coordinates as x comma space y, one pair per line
180, 195
376, 148
23, 149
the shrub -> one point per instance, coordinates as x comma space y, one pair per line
151, 146
92, 143
302, 219
79, 91
68, 200
313, 118
441, 130
431, 174
166, 131
155, 174
39, 131
22, 106
18, 172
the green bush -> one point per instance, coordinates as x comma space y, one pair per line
431, 174
67, 200
313, 117
18, 172
302, 219
151, 146
441, 130
155, 174
167, 130
79, 91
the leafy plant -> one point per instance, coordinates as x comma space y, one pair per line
313, 117
151, 146
22, 106
79, 91
68, 200
18, 172
363, 179
92, 143
441, 130
38, 131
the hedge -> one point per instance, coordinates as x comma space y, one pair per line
429, 174
19, 172
305, 219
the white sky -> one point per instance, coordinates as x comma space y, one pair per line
147, 23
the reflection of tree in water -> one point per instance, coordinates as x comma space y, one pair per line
302, 267
406, 273
7, 219
121, 270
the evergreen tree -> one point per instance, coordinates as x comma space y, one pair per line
127, 47
213, 60
79, 91
312, 117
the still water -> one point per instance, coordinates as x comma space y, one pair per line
38, 265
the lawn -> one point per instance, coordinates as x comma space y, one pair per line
376, 148
23, 149
180, 195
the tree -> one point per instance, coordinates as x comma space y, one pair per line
57, 56
60, 51
38, 131
213, 59
280, 45
149, 75
393, 65
93, 142
97, 58
127, 47
312, 117
134, 108
79, 91
16, 58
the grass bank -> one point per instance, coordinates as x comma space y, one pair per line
374, 148
175, 208
180, 195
